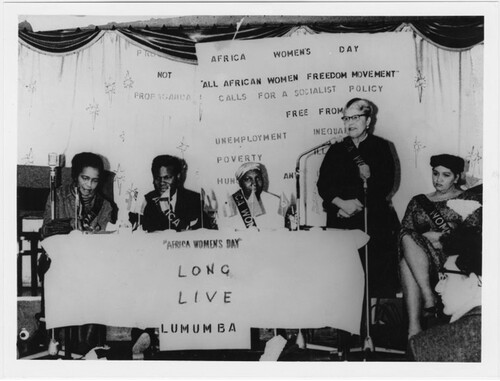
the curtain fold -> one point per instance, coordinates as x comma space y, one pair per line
451, 34
174, 44
59, 41
357, 27
454, 33
248, 33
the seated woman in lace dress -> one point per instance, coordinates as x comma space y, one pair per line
428, 218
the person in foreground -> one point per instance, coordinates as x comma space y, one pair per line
428, 219
170, 205
459, 286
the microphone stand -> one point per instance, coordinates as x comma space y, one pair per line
297, 178
368, 343
52, 164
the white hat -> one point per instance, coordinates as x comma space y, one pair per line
244, 168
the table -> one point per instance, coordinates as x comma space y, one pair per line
204, 289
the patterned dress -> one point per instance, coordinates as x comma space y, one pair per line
416, 222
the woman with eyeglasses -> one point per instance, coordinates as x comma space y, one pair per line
363, 161
428, 220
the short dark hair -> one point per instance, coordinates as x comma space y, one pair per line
86, 159
466, 242
166, 161
363, 105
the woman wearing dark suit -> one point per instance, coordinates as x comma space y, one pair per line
363, 160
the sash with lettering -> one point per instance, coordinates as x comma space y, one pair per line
433, 213
168, 213
243, 209
353, 151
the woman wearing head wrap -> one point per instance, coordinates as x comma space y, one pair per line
252, 206
428, 219
363, 159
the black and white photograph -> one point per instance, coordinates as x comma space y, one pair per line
198, 188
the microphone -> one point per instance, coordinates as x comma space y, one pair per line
297, 170
53, 162
324, 144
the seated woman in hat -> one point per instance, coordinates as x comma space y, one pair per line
252, 206
428, 219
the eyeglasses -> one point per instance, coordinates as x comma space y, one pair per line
354, 118
442, 271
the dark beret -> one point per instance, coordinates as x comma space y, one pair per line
453, 163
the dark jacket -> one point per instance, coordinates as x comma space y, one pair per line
339, 177
459, 341
65, 209
188, 214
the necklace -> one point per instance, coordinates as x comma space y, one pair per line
446, 196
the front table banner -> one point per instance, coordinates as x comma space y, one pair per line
205, 289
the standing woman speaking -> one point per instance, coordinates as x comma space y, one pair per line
360, 160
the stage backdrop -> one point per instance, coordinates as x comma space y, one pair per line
114, 98
265, 100
271, 100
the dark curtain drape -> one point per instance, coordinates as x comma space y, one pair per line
449, 32
453, 34
170, 42
246, 33
59, 41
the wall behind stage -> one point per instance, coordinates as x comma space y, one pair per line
270, 100
114, 98
266, 100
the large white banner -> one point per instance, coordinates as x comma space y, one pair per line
205, 289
